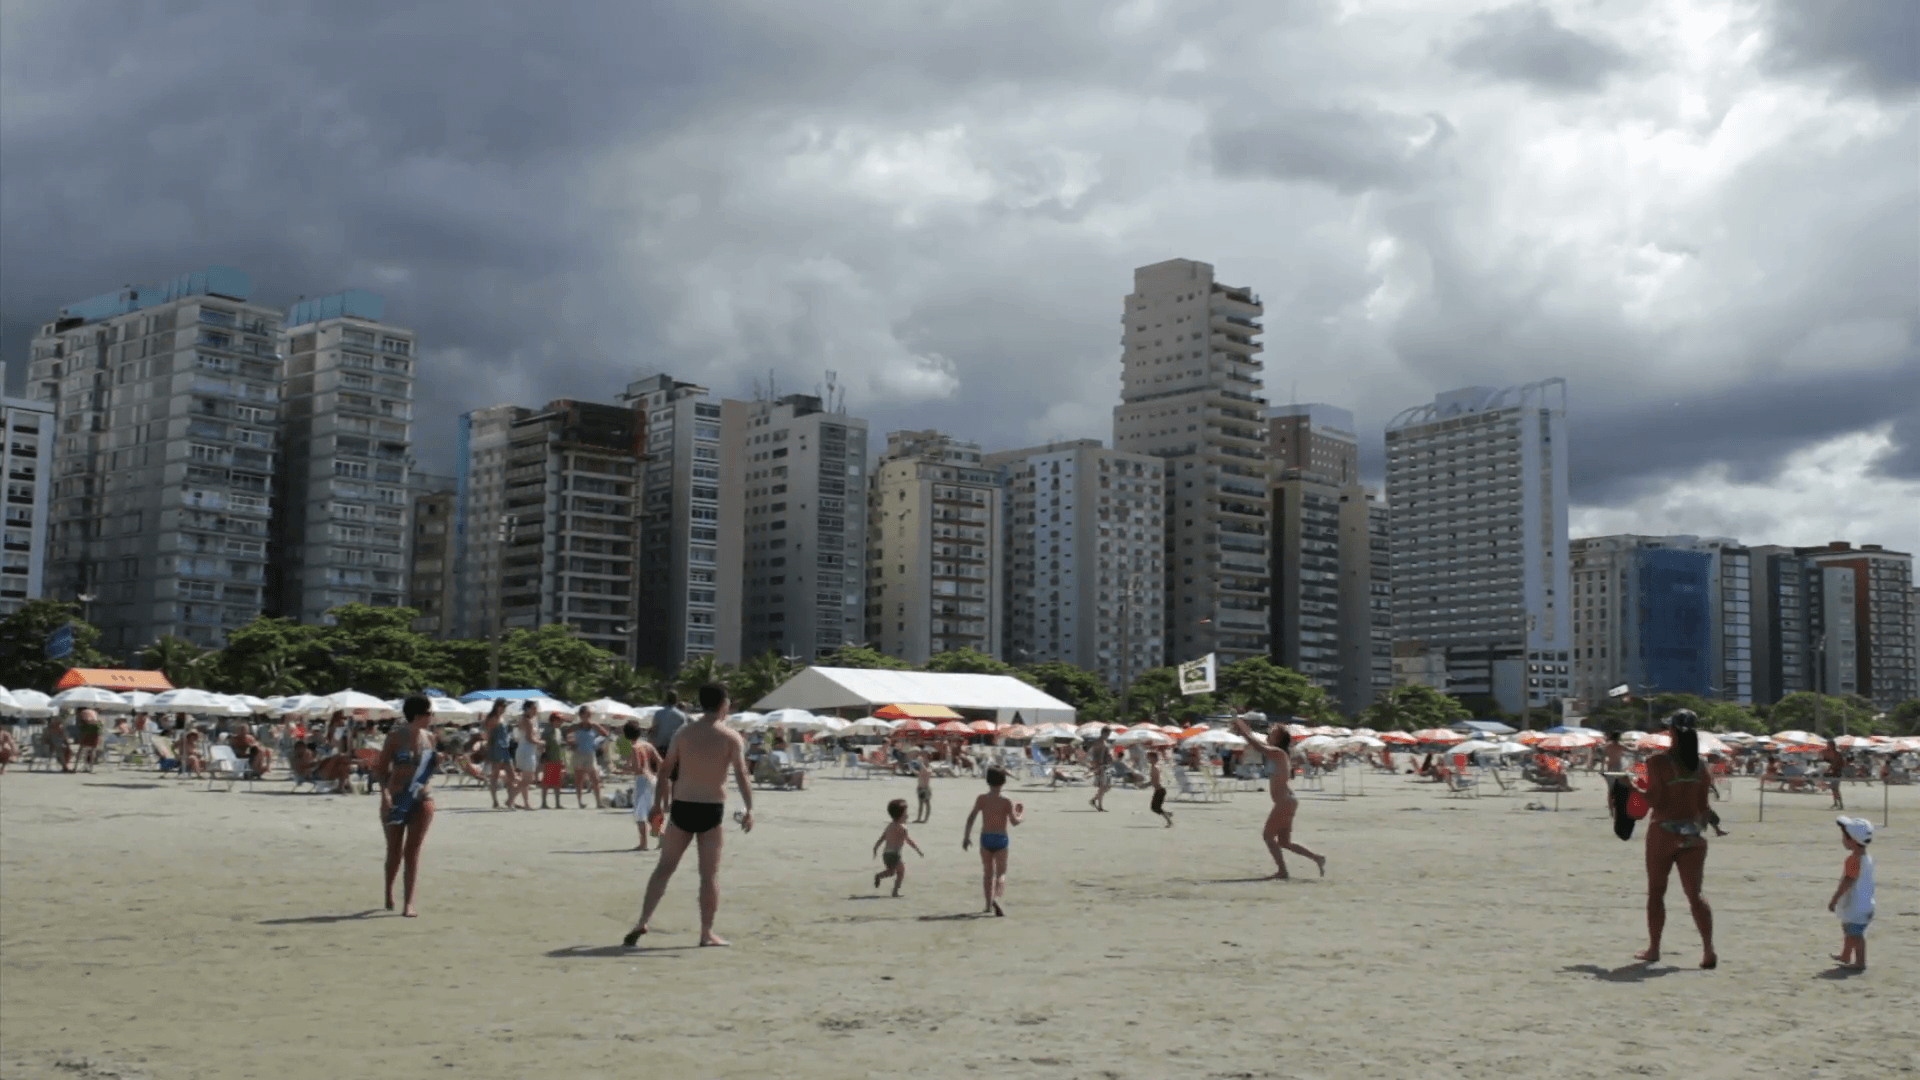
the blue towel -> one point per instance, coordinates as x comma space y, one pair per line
403, 806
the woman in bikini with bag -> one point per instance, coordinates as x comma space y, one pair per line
406, 765
1677, 818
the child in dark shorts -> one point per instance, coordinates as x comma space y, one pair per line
894, 837
1159, 804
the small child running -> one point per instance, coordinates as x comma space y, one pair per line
894, 837
998, 814
1853, 900
1159, 804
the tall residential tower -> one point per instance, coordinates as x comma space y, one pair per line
1190, 395
934, 581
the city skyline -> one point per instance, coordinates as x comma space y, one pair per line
1700, 214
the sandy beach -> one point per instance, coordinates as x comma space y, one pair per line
154, 928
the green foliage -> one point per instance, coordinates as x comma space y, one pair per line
968, 662
1260, 685
180, 660
854, 656
760, 676
1823, 715
1414, 708
1157, 694
1727, 716
23, 645
1903, 719
623, 683
704, 671
1076, 686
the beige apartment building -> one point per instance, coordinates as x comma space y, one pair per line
934, 579
805, 521
1190, 395
1081, 529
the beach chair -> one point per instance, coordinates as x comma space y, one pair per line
1185, 788
222, 764
1459, 783
1499, 779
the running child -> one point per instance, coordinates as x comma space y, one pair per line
923, 774
997, 814
894, 837
1159, 804
1853, 900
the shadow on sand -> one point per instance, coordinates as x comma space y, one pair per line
367, 914
962, 917
617, 952
1838, 972
1635, 972
128, 787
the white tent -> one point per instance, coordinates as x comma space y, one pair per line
819, 689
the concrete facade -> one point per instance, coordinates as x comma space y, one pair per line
1190, 394
1477, 483
1366, 600
26, 463
167, 404
1885, 666
348, 424
433, 573
1600, 663
935, 578
692, 538
805, 570
1081, 531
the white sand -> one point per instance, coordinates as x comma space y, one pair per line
154, 928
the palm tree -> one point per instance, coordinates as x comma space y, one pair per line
702, 671
760, 676
180, 660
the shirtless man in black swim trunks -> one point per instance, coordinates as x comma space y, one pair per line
695, 803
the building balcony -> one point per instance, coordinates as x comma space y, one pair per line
1234, 344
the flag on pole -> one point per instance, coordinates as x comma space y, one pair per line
1619, 691
60, 643
1196, 676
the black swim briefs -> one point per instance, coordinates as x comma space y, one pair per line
696, 817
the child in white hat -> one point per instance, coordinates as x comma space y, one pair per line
1853, 900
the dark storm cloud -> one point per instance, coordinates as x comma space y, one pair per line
1524, 42
1351, 149
1877, 41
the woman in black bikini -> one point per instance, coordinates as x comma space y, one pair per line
405, 768
1677, 818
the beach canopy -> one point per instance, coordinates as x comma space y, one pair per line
826, 689
113, 679
908, 712
510, 695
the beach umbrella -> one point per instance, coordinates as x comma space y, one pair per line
1475, 746
952, 727
1092, 730
1298, 731
1573, 729
1216, 738
136, 699
1566, 742
740, 719
793, 720
1147, 735
542, 706
985, 727
253, 704
913, 727
607, 710
1529, 737
233, 705
33, 699
90, 697
449, 711
1398, 738
1438, 735
1508, 749
1017, 731
1366, 731
11, 705
1368, 742
1055, 731
189, 700
1853, 742
1803, 737
868, 725
832, 725
362, 706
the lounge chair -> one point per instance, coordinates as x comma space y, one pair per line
1186, 788
1459, 781
223, 764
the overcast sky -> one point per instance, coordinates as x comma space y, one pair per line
1704, 215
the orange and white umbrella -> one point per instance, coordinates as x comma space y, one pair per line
1017, 731
1853, 742
1398, 738
1188, 733
1566, 742
1529, 737
984, 727
913, 727
1804, 738
1438, 735
954, 727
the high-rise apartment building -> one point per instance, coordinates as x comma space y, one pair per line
1477, 484
1081, 533
1366, 600
348, 421
1643, 615
1330, 616
934, 577
433, 574
167, 406
1190, 395
691, 534
551, 512
1804, 632
805, 516
1600, 663
26, 461
1886, 669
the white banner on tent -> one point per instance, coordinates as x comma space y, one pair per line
1196, 676
1619, 691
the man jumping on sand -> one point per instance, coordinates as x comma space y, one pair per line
1278, 831
695, 800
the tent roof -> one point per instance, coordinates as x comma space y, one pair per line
833, 688
510, 695
113, 679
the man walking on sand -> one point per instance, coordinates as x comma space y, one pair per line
1278, 831
1100, 755
695, 801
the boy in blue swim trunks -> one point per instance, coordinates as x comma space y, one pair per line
998, 814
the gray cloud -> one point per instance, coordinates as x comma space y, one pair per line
1525, 43
944, 201
1876, 41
